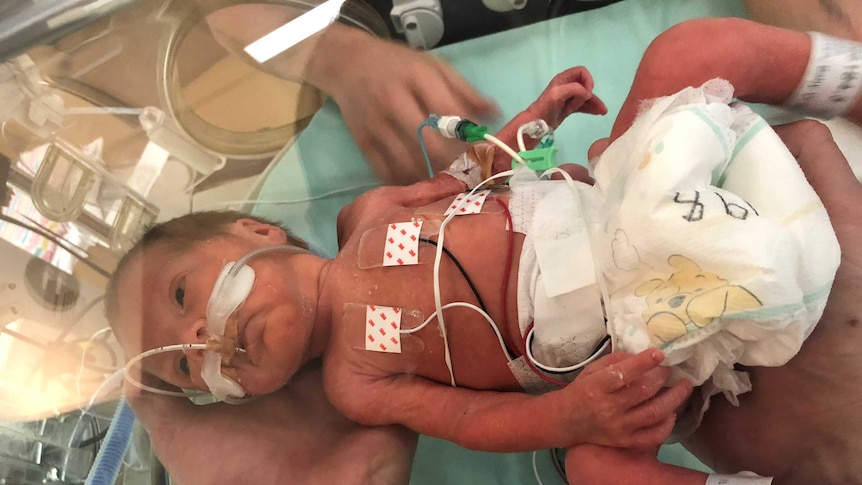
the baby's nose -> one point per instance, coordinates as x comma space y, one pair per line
197, 333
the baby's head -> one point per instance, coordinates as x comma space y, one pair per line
161, 288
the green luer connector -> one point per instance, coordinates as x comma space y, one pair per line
475, 132
539, 159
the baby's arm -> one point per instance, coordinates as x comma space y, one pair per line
617, 401
570, 91
765, 64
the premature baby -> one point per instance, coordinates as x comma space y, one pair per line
546, 262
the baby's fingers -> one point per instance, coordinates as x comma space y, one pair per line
594, 106
644, 387
663, 406
625, 372
652, 435
579, 74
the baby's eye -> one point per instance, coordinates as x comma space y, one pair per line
184, 366
180, 292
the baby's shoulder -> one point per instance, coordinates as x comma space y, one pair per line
368, 206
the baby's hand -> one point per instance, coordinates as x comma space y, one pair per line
620, 401
571, 91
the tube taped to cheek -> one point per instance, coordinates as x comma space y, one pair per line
832, 80
229, 292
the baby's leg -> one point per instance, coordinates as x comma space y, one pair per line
600, 465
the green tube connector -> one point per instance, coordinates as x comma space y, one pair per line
539, 159
468, 131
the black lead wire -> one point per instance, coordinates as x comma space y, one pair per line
467, 278
461, 269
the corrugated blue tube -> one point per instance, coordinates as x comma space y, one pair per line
110, 457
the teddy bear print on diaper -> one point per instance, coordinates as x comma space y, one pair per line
689, 299
711, 243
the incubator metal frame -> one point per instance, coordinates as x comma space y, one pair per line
34, 450
232, 144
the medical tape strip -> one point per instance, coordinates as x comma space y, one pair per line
382, 246
466, 204
473, 166
381, 328
401, 246
832, 79
439, 209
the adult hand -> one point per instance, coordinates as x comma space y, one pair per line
294, 432
385, 90
812, 401
622, 400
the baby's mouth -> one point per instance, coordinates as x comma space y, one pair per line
228, 343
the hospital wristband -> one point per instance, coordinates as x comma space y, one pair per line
744, 478
832, 79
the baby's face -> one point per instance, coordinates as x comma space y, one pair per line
163, 296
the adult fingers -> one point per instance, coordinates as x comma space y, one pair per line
431, 95
824, 166
386, 149
471, 101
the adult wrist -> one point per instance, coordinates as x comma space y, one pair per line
332, 55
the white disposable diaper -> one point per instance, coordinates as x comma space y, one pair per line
557, 286
712, 244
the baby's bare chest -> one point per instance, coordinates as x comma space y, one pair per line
385, 314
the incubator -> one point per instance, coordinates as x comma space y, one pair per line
114, 115
118, 114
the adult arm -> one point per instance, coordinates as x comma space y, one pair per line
764, 64
841, 18
810, 400
383, 89
813, 431
294, 432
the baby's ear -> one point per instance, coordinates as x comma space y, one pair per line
266, 233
